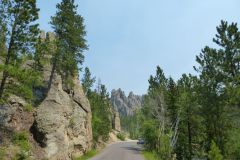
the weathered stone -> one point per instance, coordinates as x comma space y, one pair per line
125, 105
116, 122
63, 123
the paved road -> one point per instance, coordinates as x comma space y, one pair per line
121, 151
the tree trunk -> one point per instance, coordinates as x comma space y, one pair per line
7, 61
52, 73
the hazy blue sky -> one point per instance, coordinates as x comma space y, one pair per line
128, 38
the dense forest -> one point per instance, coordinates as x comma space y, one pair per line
197, 116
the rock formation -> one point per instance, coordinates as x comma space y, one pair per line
61, 124
125, 105
63, 120
116, 121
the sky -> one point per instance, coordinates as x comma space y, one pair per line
128, 38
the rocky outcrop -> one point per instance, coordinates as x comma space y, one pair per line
62, 123
13, 117
60, 126
125, 105
116, 121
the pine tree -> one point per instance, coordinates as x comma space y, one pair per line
70, 36
19, 33
214, 153
171, 100
101, 114
87, 81
219, 69
190, 126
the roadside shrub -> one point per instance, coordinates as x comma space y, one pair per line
150, 155
121, 136
88, 155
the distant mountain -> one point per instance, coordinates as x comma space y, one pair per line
125, 105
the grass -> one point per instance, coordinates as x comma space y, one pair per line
88, 155
2, 153
28, 108
20, 139
149, 155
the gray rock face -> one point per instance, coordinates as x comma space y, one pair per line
62, 125
116, 122
125, 105
63, 121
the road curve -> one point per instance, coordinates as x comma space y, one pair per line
121, 151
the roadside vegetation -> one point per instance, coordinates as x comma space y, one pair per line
150, 155
121, 136
195, 117
101, 108
87, 156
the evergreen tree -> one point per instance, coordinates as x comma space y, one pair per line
18, 35
219, 69
101, 114
70, 33
87, 81
190, 130
214, 153
171, 100
44, 49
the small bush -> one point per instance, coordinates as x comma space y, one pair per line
88, 155
21, 155
21, 139
121, 136
150, 155
28, 108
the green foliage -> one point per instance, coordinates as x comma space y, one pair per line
21, 139
87, 156
121, 136
101, 113
131, 124
165, 149
149, 134
87, 81
2, 153
234, 144
28, 108
150, 155
70, 32
44, 48
18, 32
183, 118
214, 153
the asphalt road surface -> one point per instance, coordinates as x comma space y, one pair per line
121, 151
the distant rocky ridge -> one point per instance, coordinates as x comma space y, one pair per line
126, 105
